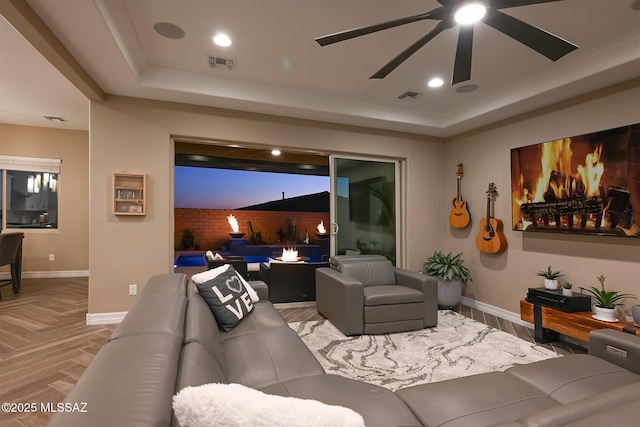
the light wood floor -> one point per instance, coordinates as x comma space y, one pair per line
45, 344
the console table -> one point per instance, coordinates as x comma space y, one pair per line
576, 325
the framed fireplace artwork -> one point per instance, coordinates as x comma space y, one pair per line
585, 184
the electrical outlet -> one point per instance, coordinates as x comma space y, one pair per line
52, 257
133, 289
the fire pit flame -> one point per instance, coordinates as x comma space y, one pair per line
321, 229
289, 254
233, 222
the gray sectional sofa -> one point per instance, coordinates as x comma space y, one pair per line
170, 340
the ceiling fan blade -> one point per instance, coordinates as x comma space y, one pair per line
549, 45
395, 62
504, 4
462, 65
437, 14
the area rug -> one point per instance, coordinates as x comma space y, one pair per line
457, 347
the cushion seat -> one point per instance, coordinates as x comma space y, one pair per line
391, 294
473, 401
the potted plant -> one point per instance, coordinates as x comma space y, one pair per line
188, 239
451, 274
606, 301
635, 312
567, 290
550, 278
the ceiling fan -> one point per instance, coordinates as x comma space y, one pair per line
549, 45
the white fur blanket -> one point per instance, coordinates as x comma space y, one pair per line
234, 405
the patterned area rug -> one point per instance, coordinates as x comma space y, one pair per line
457, 347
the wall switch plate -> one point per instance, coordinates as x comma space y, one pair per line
52, 257
133, 289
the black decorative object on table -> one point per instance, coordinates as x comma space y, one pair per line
555, 299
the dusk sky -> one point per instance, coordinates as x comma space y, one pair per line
231, 189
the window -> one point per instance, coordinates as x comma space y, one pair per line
29, 192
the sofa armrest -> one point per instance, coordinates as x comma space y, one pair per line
616, 347
261, 288
340, 298
428, 286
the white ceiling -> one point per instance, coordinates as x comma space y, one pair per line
280, 69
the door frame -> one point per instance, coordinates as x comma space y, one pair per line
400, 200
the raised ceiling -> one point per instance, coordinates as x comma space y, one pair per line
280, 69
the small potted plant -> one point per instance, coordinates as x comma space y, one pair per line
451, 274
606, 301
188, 239
567, 290
550, 278
635, 312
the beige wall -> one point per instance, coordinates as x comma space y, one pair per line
502, 279
70, 242
135, 136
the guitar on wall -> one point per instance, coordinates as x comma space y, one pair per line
459, 216
490, 237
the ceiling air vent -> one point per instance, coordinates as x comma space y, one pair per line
220, 63
409, 95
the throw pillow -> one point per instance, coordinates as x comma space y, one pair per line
232, 405
214, 272
226, 295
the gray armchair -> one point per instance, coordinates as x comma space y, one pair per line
368, 295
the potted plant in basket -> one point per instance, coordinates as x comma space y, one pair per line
550, 278
606, 301
451, 274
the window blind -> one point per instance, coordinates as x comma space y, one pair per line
30, 164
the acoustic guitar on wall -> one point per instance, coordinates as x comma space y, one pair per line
490, 237
459, 216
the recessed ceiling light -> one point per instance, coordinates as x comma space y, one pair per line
222, 39
470, 13
435, 82
276, 152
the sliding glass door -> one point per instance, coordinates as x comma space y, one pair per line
365, 208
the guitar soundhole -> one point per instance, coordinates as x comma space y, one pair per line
491, 232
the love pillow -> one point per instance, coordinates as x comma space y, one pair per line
227, 297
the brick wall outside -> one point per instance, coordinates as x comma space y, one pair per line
211, 228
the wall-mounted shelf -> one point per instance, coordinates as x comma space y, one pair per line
129, 194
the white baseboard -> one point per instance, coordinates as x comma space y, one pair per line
47, 274
496, 311
105, 318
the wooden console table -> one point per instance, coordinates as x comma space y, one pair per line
576, 325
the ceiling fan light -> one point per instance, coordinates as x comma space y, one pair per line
469, 13
222, 40
435, 82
